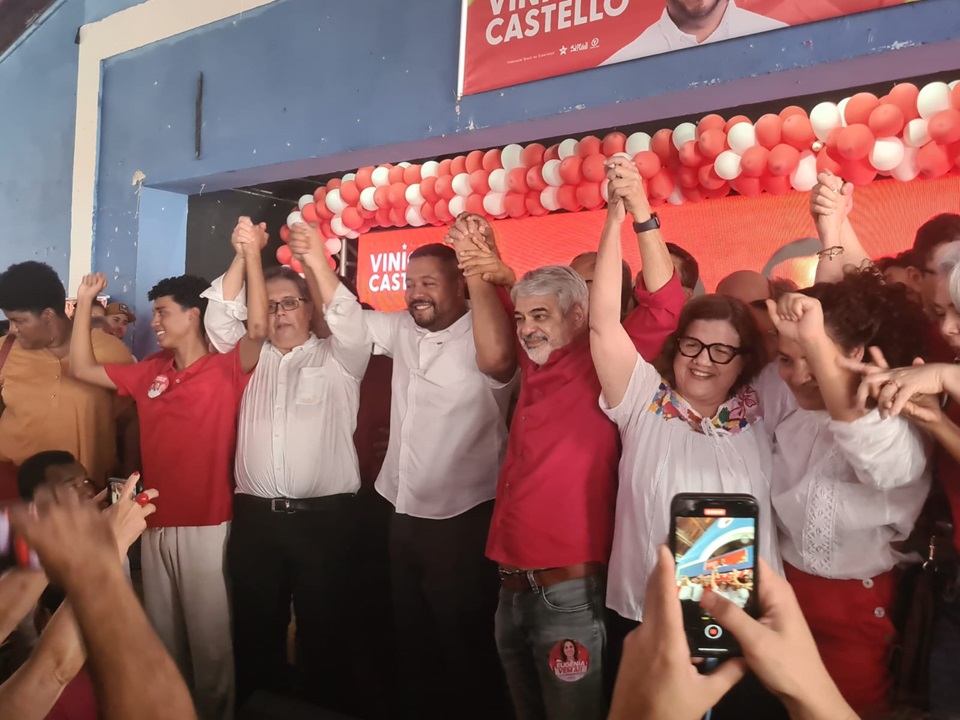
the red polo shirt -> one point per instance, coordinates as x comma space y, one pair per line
556, 496
188, 433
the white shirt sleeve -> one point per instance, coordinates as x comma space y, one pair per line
381, 330
349, 341
883, 453
777, 401
640, 391
223, 319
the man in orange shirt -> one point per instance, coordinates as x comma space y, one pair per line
43, 407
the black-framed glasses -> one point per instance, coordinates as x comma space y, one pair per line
719, 353
289, 304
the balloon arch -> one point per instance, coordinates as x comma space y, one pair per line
910, 132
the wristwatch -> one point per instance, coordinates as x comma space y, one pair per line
652, 224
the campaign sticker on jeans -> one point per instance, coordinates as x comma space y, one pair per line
569, 660
159, 386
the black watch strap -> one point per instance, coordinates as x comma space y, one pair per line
652, 224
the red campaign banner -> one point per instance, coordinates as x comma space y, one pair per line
733, 233
509, 42
734, 558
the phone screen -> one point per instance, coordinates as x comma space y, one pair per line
714, 542
115, 489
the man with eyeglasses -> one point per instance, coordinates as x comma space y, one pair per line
297, 476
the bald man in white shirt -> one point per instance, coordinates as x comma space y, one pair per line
689, 23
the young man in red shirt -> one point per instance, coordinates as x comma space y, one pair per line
188, 401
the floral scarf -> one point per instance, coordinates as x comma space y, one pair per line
733, 416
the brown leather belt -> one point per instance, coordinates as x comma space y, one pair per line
520, 580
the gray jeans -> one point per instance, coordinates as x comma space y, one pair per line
551, 644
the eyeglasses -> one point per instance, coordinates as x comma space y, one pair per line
288, 304
719, 353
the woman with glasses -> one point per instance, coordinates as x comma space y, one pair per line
847, 484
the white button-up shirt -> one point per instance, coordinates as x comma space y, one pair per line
299, 412
448, 431
664, 35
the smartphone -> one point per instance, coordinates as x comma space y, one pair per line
115, 489
714, 543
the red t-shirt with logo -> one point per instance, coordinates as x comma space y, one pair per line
188, 433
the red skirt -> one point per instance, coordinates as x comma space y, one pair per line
851, 622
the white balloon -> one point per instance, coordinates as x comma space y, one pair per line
403, 164
727, 164
624, 155
334, 245
887, 154
348, 177
352, 234
551, 173
294, 218
380, 176
493, 203
824, 118
366, 199
605, 190
804, 178
907, 170
414, 217
637, 142
335, 203
548, 198
933, 98
954, 84
498, 180
684, 133
916, 133
457, 205
413, 195
842, 107
338, 227
461, 184
431, 168
567, 148
676, 197
511, 157
742, 137
304, 201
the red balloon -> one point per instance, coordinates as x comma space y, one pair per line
309, 213
515, 204
535, 179
284, 233
295, 265
428, 214
954, 153
944, 127
933, 160
754, 161
588, 195
798, 131
692, 194
534, 206
445, 168
747, 186
474, 161
733, 121
710, 122
480, 181
334, 183
662, 145
491, 160
474, 203
690, 155
325, 230
351, 218
411, 175
398, 217
442, 211
904, 96
320, 195
689, 177
712, 142
284, 255
886, 120
428, 188
570, 170
383, 218
783, 160
593, 168
364, 177
661, 186
517, 180
855, 142
775, 185
444, 188
792, 111
381, 196
458, 165
567, 197
613, 143
366, 214
717, 192
590, 145
709, 178
860, 107
323, 212
859, 172
395, 175
648, 163
551, 153
532, 155
769, 130
826, 163
398, 195
350, 193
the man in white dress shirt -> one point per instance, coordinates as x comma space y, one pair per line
689, 23
297, 477
448, 434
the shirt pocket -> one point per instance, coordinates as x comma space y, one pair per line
312, 385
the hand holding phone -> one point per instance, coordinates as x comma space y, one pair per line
115, 487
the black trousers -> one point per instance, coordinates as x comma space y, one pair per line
445, 594
304, 557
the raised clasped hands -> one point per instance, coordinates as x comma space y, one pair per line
477, 255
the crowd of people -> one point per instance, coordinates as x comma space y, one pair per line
494, 548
